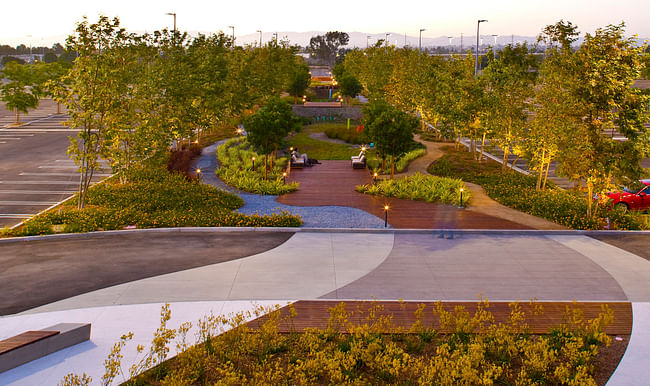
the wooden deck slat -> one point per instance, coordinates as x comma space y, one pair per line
333, 183
315, 313
24, 339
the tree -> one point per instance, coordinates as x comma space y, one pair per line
93, 91
349, 86
327, 46
50, 57
20, 92
8, 59
564, 34
392, 131
606, 66
269, 125
299, 82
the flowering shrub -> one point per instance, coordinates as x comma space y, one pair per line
365, 347
237, 170
153, 199
420, 187
517, 191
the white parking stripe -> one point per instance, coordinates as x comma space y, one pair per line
62, 174
26, 203
50, 192
15, 215
40, 182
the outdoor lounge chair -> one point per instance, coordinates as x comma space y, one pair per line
358, 157
359, 163
297, 162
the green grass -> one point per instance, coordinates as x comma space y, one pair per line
323, 150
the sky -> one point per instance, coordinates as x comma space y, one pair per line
50, 21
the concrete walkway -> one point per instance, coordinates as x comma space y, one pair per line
354, 265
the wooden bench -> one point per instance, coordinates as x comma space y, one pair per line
32, 345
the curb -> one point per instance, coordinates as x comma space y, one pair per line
436, 232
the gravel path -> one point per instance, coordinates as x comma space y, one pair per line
313, 217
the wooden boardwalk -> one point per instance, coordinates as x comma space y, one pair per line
333, 183
315, 313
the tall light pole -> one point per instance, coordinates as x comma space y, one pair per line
495, 40
31, 58
420, 44
450, 38
260, 31
233, 34
478, 25
386, 42
367, 40
275, 35
173, 14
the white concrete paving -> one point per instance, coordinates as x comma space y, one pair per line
107, 325
630, 271
307, 266
634, 368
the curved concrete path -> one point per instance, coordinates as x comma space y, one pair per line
358, 265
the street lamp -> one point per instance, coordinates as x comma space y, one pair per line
31, 58
420, 45
233, 34
495, 40
450, 38
386, 42
174, 31
275, 36
260, 31
367, 40
478, 24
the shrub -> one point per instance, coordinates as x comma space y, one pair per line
236, 170
401, 164
180, 160
366, 347
419, 187
518, 191
154, 198
340, 131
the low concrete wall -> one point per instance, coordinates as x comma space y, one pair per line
337, 113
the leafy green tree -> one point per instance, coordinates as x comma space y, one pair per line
8, 58
327, 46
20, 92
299, 82
391, 130
50, 57
92, 92
349, 86
269, 125
606, 66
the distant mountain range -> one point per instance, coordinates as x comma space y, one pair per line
360, 39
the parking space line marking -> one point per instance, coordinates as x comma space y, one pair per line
15, 215
45, 192
27, 203
62, 174
40, 182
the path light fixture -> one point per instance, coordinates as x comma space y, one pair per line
374, 177
386, 208
461, 198
284, 177
478, 25
198, 174
239, 131
363, 149
253, 161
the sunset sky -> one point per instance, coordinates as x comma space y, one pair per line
49, 21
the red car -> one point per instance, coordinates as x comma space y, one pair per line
635, 198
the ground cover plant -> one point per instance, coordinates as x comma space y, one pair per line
351, 135
153, 198
420, 187
518, 191
242, 168
365, 346
401, 164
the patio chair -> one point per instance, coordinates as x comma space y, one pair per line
359, 163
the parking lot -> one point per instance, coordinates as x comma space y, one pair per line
35, 171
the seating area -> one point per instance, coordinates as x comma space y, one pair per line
359, 162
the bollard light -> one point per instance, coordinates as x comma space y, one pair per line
253, 161
284, 177
198, 174
363, 148
239, 131
386, 208
374, 177
461, 198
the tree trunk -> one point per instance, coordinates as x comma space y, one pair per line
540, 170
512, 166
548, 166
590, 193
17, 116
506, 154
482, 147
58, 108
392, 166
266, 164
